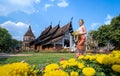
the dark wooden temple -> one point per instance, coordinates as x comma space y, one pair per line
54, 38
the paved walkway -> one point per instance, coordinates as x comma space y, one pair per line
4, 54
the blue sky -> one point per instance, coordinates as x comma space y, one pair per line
17, 15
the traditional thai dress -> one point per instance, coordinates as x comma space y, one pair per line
81, 40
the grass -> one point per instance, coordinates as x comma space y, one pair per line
38, 59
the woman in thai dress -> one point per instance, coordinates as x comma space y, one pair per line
81, 38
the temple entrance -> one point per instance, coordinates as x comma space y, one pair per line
66, 42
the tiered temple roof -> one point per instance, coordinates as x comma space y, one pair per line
51, 35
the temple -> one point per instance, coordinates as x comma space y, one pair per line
27, 38
54, 38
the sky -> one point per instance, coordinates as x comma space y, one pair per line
17, 15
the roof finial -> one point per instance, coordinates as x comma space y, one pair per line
29, 27
71, 19
59, 22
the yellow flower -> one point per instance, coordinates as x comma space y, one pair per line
88, 71
73, 73
116, 52
64, 65
51, 67
63, 62
81, 65
72, 62
86, 57
16, 69
117, 60
116, 68
92, 57
56, 73
108, 60
81, 57
100, 59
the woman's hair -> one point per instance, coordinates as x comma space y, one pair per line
82, 20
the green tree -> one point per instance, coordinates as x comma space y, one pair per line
115, 32
15, 44
5, 39
103, 35
107, 34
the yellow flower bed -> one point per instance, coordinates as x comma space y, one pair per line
86, 65
17, 69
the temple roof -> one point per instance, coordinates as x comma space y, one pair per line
46, 30
51, 35
62, 30
44, 33
54, 40
29, 32
53, 30
44, 38
60, 33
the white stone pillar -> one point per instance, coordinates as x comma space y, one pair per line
54, 46
63, 43
71, 41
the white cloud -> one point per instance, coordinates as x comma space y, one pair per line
37, 1
108, 19
63, 3
16, 29
52, 0
10, 23
10, 6
95, 25
46, 6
